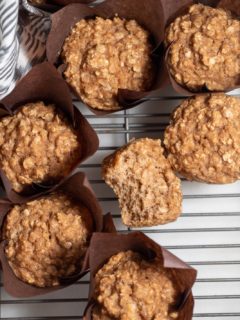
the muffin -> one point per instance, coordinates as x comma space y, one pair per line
103, 56
231, 5
204, 49
129, 287
47, 239
37, 145
203, 139
149, 192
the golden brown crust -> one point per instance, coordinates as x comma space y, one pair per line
104, 55
47, 239
37, 145
203, 139
149, 192
129, 287
204, 51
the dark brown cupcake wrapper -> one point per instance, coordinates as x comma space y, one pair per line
44, 83
48, 6
78, 187
151, 14
176, 86
55, 5
103, 246
66, 2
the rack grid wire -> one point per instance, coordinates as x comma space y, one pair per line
207, 235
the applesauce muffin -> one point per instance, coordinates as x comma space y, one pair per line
203, 139
47, 239
204, 49
149, 193
231, 5
104, 55
37, 145
129, 287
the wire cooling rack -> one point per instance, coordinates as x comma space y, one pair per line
207, 235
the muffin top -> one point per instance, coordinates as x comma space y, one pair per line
47, 239
148, 190
37, 145
129, 287
203, 139
204, 51
103, 55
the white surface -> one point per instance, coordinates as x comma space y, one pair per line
207, 234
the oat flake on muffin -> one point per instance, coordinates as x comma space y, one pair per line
37, 145
205, 49
129, 287
203, 139
47, 239
104, 55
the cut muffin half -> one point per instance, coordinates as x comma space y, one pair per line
149, 192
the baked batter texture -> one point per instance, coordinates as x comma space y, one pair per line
129, 287
203, 139
149, 192
104, 55
37, 145
47, 239
204, 49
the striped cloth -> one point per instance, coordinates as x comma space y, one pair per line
9, 45
23, 33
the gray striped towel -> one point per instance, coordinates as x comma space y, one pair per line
23, 33
9, 45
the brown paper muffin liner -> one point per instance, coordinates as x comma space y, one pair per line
79, 188
44, 83
66, 2
54, 5
103, 246
176, 86
151, 14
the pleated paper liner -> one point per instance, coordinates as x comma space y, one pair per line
78, 187
44, 83
54, 5
103, 246
177, 87
151, 14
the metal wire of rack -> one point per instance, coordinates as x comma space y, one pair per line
207, 235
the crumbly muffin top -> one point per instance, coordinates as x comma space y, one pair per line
104, 55
129, 287
148, 190
47, 239
203, 139
231, 5
204, 51
37, 145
